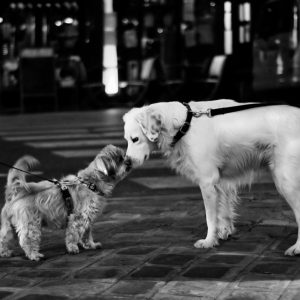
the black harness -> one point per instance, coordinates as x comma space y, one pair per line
68, 198
212, 113
62, 185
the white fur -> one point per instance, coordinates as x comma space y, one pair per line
222, 153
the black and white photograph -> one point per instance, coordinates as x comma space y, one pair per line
150, 149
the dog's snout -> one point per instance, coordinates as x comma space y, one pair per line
128, 163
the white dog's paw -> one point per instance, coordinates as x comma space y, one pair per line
36, 256
207, 243
72, 249
294, 250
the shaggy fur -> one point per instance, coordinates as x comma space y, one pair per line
30, 204
222, 153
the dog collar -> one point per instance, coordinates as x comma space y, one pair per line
185, 127
91, 186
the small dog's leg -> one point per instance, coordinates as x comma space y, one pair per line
29, 232
74, 233
6, 235
210, 197
88, 241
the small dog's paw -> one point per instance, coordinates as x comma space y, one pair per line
72, 249
36, 256
207, 243
97, 245
6, 253
294, 250
225, 232
91, 245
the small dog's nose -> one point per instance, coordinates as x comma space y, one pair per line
128, 163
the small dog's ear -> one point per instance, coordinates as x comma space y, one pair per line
150, 122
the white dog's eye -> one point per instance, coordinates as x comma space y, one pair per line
134, 140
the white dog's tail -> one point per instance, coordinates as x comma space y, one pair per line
25, 163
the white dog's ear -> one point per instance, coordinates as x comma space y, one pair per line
150, 122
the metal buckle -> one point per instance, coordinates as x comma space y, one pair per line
63, 187
92, 187
200, 113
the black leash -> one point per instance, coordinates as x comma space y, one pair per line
230, 109
212, 112
64, 189
29, 173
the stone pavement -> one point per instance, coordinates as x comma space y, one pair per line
147, 230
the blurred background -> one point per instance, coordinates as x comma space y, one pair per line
81, 55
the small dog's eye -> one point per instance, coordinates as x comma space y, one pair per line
134, 140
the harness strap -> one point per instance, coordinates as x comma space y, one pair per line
67, 199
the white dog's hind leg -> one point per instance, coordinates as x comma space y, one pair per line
210, 198
287, 179
292, 197
295, 205
6, 235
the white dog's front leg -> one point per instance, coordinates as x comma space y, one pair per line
210, 198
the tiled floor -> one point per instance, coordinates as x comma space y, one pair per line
148, 228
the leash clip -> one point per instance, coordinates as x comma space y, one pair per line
200, 113
63, 187
92, 186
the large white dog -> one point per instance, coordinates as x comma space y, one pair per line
221, 153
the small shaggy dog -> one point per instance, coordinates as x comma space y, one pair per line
222, 152
30, 204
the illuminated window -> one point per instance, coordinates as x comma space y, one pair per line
110, 58
227, 27
244, 22
295, 27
